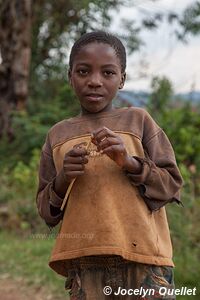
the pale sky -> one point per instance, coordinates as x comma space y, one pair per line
163, 54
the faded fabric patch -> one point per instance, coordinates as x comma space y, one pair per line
157, 278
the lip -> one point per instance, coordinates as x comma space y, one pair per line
94, 97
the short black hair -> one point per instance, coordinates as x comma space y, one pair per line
99, 37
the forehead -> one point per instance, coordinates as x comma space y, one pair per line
97, 52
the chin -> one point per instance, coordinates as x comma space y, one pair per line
94, 111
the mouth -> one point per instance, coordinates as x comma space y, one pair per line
94, 97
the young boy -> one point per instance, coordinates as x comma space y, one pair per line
116, 169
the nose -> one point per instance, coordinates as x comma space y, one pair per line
95, 80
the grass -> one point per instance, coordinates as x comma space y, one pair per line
186, 247
28, 258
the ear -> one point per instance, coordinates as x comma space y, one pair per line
123, 78
70, 77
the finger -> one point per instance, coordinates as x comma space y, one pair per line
74, 174
76, 167
102, 134
109, 142
77, 152
75, 160
95, 132
114, 149
100, 130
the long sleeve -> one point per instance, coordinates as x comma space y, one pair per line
160, 180
46, 197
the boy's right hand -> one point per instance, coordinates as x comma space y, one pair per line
74, 162
73, 166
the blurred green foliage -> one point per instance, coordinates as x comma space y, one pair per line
31, 126
161, 95
19, 159
181, 125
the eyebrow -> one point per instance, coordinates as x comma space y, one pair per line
106, 65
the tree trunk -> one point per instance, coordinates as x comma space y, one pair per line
15, 51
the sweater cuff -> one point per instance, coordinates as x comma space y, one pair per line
142, 177
54, 200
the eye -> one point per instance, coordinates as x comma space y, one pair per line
108, 73
82, 72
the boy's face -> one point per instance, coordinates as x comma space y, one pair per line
96, 77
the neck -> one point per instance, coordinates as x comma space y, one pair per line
106, 109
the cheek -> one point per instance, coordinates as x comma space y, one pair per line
114, 85
76, 85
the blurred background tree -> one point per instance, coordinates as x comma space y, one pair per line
15, 50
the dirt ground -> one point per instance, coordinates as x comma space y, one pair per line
17, 289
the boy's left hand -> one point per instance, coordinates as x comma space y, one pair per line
111, 144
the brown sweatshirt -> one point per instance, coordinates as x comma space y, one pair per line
111, 211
